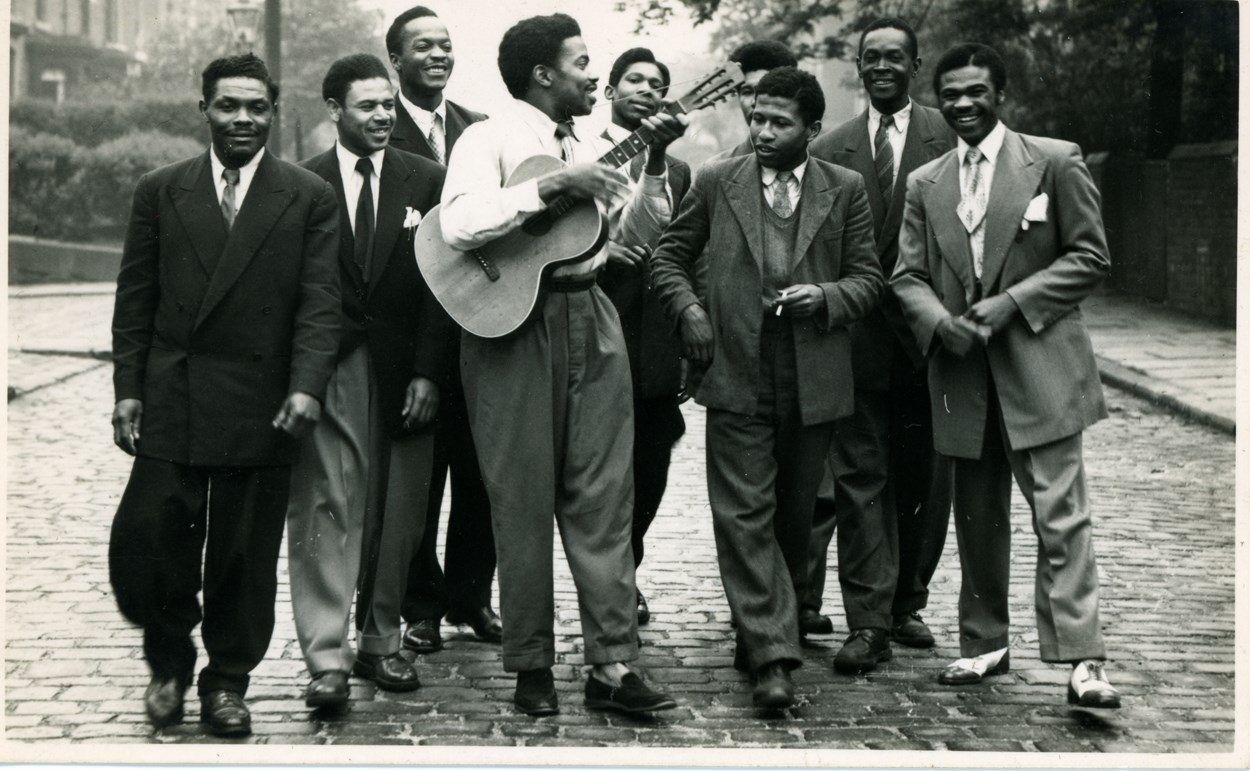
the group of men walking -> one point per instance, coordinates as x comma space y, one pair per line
280, 359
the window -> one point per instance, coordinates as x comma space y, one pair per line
84, 10
41, 10
110, 21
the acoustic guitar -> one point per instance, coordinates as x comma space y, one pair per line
491, 291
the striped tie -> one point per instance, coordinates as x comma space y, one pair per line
437, 138
228, 207
885, 158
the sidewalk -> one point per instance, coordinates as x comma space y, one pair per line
1183, 364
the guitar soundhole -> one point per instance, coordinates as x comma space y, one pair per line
488, 267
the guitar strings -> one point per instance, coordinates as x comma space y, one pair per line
606, 102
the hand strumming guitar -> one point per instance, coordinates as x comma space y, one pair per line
586, 181
665, 129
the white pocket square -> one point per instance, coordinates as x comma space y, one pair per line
412, 217
1036, 210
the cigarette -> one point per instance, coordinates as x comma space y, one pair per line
781, 297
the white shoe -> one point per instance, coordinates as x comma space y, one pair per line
1089, 686
974, 670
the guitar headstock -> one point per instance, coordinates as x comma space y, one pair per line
720, 84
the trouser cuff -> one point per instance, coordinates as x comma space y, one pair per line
970, 648
524, 661
610, 654
378, 645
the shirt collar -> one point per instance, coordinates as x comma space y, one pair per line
422, 117
348, 159
536, 119
901, 118
990, 146
245, 171
768, 176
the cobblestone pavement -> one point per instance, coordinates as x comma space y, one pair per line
1162, 490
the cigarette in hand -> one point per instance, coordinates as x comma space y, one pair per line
781, 297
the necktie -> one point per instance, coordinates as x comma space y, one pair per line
437, 138
972, 206
884, 158
564, 135
781, 194
364, 219
228, 208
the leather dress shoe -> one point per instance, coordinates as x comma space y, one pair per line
973, 670
773, 687
422, 636
164, 701
1089, 687
910, 629
632, 696
327, 689
391, 672
812, 622
644, 612
862, 651
483, 621
536, 692
225, 713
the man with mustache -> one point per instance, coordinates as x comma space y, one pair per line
225, 332
550, 404
428, 124
360, 481
637, 84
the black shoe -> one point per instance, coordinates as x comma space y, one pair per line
632, 696
164, 701
225, 713
484, 622
390, 673
327, 690
812, 622
644, 612
911, 630
862, 651
423, 636
536, 693
773, 687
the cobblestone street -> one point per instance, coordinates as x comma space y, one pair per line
1162, 490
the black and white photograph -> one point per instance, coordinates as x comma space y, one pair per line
677, 383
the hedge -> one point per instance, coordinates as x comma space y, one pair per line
60, 190
91, 123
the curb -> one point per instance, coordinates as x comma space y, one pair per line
1154, 391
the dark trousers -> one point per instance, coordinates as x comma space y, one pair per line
658, 425
163, 524
463, 583
763, 473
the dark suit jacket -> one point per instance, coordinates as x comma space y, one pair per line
723, 212
407, 137
883, 334
213, 353
407, 331
1042, 362
654, 351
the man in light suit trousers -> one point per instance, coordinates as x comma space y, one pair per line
429, 125
224, 335
788, 244
886, 491
360, 481
1002, 239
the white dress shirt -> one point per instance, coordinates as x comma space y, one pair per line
477, 208
246, 173
425, 120
990, 146
354, 181
769, 178
897, 133
619, 134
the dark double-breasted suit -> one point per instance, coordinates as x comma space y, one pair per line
361, 482
212, 329
773, 386
1017, 406
887, 492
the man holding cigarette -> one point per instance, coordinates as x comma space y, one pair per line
790, 262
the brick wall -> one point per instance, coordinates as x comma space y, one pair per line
1202, 231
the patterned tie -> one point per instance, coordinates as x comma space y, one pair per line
364, 219
228, 208
781, 194
972, 206
884, 158
437, 137
564, 135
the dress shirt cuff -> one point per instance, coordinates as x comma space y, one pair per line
524, 198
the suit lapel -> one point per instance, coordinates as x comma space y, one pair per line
392, 205
859, 151
453, 127
1016, 178
407, 133
941, 202
266, 199
327, 167
745, 200
816, 202
199, 211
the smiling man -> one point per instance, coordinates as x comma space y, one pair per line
787, 241
886, 491
1002, 239
360, 481
224, 336
550, 404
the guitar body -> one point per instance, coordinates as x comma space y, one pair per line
493, 290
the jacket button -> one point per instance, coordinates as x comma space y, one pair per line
266, 310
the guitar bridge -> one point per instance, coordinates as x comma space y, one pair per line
488, 267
